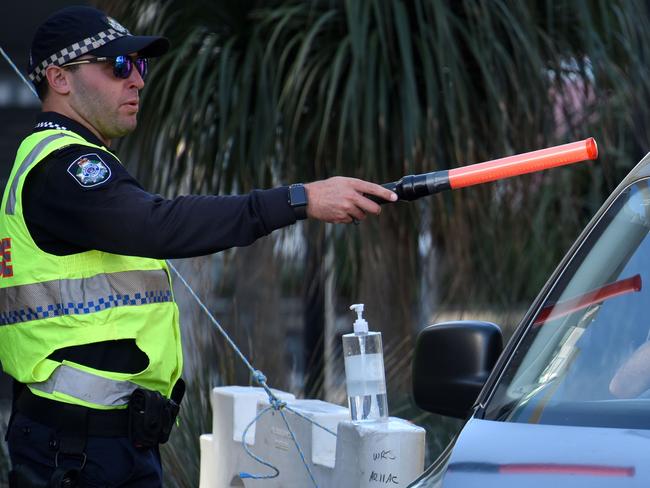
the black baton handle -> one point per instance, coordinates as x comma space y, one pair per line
412, 187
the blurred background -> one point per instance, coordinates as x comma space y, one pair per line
256, 94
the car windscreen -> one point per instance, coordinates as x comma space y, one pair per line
585, 356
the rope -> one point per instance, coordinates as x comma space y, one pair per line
275, 402
258, 376
295, 441
244, 475
20, 75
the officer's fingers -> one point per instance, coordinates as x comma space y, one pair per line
356, 213
374, 189
367, 205
347, 211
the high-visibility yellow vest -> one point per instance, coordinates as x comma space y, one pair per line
48, 302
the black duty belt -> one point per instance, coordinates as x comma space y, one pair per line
58, 415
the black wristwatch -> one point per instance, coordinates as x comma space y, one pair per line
298, 200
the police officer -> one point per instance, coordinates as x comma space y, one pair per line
88, 325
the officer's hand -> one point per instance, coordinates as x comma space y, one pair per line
340, 200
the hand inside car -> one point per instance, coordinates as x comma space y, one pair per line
632, 378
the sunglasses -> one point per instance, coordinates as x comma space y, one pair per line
122, 65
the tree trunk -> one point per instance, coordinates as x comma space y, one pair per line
314, 310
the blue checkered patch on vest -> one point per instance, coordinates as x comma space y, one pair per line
97, 305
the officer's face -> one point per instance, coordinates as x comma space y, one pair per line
107, 103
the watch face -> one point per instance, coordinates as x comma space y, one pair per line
297, 196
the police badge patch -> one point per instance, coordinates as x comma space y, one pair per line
89, 170
117, 26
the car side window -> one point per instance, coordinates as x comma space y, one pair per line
585, 357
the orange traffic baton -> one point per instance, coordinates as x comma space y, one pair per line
412, 187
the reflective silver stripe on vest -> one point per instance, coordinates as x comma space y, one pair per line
36, 301
86, 386
33, 154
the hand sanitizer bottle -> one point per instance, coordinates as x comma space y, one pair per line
364, 371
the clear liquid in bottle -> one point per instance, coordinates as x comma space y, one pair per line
365, 379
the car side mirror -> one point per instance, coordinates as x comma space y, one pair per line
452, 362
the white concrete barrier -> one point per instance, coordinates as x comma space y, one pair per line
362, 455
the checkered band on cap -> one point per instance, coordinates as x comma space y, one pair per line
72, 52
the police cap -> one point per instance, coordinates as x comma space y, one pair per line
75, 31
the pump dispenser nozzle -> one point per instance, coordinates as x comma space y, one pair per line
360, 325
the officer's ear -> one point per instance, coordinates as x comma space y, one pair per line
59, 79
